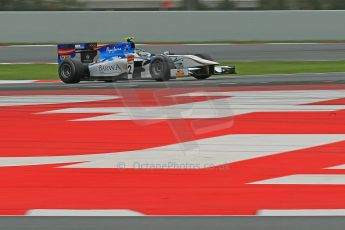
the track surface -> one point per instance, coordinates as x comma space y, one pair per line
215, 81
219, 52
173, 223
225, 146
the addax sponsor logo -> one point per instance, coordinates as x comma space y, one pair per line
109, 68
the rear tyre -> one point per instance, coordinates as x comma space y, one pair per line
110, 80
71, 71
206, 71
160, 68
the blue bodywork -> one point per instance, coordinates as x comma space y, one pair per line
66, 51
118, 50
106, 52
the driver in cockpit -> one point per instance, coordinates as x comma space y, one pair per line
131, 41
140, 52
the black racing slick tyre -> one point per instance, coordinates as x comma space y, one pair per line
71, 71
204, 72
110, 81
160, 68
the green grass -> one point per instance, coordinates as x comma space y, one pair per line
28, 72
45, 71
286, 67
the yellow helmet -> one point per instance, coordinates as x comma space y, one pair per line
129, 39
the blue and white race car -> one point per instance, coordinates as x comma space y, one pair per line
89, 62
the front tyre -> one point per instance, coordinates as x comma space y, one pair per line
206, 71
71, 71
110, 80
160, 68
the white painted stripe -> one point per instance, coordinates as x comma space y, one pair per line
50, 99
338, 167
237, 103
16, 81
314, 179
302, 212
197, 154
76, 212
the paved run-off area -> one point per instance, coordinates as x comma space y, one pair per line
254, 145
203, 150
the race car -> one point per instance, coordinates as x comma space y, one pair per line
112, 62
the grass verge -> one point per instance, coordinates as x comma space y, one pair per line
46, 72
286, 67
28, 72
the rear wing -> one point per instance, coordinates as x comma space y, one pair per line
87, 52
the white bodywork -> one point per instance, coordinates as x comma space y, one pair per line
190, 61
119, 66
112, 68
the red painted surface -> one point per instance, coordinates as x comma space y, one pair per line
214, 191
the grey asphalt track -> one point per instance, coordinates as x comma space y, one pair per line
248, 52
215, 81
172, 223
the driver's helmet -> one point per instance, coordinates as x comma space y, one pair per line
130, 40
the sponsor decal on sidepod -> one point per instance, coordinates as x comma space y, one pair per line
109, 68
